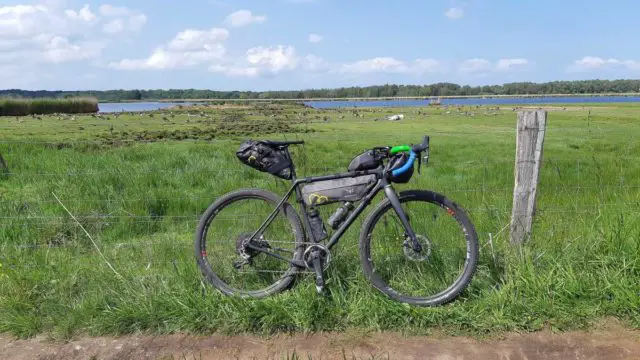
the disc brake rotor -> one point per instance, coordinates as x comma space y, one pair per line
242, 245
412, 255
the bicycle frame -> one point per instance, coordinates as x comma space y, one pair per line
382, 183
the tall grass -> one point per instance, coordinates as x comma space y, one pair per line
141, 204
41, 106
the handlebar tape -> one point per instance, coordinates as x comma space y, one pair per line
396, 149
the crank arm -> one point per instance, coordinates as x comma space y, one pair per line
317, 266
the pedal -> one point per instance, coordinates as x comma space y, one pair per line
320, 286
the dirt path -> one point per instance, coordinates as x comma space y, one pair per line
611, 344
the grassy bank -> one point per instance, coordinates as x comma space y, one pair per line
138, 184
22, 107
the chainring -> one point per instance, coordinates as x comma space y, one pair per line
325, 256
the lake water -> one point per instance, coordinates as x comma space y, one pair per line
475, 101
148, 106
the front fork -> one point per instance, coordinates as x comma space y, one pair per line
395, 202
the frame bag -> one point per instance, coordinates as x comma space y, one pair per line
265, 158
330, 191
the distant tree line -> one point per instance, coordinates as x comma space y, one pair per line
388, 90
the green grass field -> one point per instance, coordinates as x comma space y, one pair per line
139, 182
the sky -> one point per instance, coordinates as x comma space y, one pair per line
300, 44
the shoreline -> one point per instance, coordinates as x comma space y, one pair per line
403, 98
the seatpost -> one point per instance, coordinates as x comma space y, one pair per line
293, 167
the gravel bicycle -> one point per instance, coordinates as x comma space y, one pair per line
416, 246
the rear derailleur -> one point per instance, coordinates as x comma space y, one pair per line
246, 253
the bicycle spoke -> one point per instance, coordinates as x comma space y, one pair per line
417, 276
240, 262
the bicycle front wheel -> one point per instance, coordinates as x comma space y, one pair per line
226, 254
444, 267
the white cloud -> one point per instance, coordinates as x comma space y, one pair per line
267, 61
188, 48
475, 65
390, 65
632, 64
315, 38
313, 63
455, 13
197, 40
511, 64
482, 66
242, 18
27, 31
588, 63
46, 48
426, 65
27, 20
162, 59
110, 10
84, 14
591, 62
235, 71
136, 22
58, 50
378, 64
114, 26
31, 35
124, 19
274, 59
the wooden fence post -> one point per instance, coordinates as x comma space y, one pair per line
529, 145
4, 169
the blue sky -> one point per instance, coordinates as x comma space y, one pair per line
299, 44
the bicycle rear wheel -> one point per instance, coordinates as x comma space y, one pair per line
222, 239
441, 271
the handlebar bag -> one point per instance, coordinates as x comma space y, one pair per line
364, 161
396, 162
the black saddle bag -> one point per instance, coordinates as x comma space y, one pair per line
265, 158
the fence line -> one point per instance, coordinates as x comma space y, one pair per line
633, 206
189, 220
339, 167
209, 198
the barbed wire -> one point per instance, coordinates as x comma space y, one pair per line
151, 261
331, 169
622, 206
542, 189
159, 265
